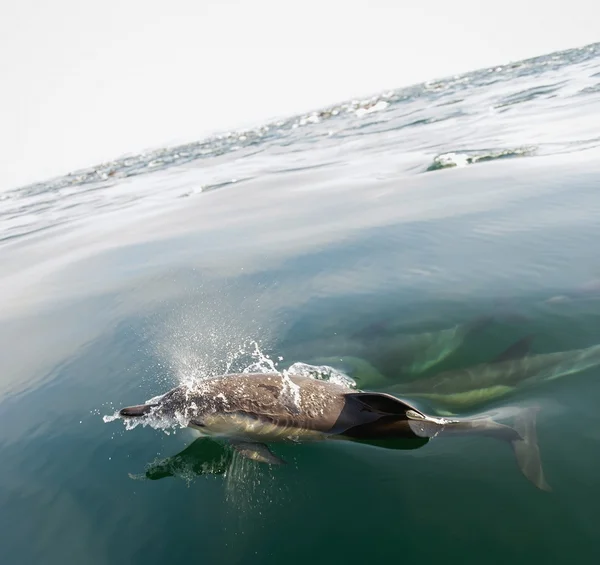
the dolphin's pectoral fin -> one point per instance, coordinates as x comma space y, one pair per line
527, 450
372, 415
256, 451
517, 350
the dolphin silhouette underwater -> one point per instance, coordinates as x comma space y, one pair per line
248, 410
408, 354
513, 369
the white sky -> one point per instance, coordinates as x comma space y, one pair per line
86, 82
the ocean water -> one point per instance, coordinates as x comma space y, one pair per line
343, 232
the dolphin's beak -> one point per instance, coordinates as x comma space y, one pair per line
136, 411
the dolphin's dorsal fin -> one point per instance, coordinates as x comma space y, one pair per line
381, 403
517, 350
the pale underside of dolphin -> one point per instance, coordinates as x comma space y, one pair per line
250, 410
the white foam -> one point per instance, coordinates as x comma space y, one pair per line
290, 394
322, 373
453, 160
377, 107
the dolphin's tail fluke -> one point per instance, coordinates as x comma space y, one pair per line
374, 415
526, 449
522, 437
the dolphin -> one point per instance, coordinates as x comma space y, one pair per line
407, 354
515, 367
249, 410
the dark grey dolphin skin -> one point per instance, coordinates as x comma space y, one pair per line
248, 410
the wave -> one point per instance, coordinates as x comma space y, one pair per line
234, 140
464, 158
424, 111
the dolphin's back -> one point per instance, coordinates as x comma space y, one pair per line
294, 402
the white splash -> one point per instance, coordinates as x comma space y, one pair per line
290, 394
369, 109
452, 160
106, 419
191, 374
462, 159
263, 363
155, 421
322, 373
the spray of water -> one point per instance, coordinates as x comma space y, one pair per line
216, 330
262, 363
322, 373
247, 484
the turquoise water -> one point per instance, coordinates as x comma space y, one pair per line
331, 234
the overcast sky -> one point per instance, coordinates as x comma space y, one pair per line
87, 82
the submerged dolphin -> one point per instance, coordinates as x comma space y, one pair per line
406, 354
513, 368
250, 409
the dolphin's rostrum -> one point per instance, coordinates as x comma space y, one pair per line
250, 410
